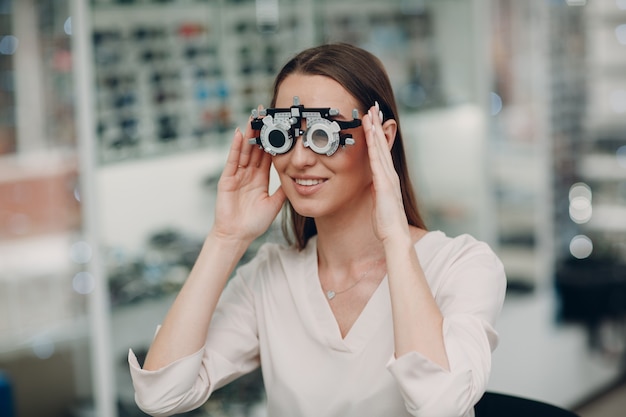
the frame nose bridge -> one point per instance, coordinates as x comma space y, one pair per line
301, 154
299, 128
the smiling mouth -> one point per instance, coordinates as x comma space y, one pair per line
308, 182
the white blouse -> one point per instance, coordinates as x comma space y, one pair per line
273, 313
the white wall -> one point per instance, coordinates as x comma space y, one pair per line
138, 198
447, 158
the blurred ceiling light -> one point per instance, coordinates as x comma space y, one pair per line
580, 208
580, 189
43, 347
581, 247
496, 103
83, 283
8, 45
576, 2
67, 26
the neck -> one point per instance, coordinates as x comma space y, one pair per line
348, 254
347, 241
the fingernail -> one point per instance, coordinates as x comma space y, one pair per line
369, 113
380, 115
376, 104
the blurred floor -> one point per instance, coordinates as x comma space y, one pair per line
609, 404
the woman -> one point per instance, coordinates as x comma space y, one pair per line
366, 313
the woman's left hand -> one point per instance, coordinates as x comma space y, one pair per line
417, 320
389, 217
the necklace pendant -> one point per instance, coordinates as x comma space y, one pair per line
330, 294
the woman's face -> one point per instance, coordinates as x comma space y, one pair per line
319, 185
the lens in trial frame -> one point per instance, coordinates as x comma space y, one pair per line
319, 138
322, 136
275, 136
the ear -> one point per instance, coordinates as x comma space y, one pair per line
390, 128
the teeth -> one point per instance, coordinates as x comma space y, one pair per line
308, 182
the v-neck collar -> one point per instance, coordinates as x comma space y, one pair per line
315, 310
375, 314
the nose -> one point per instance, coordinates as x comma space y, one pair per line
301, 156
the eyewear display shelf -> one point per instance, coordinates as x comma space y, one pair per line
520, 135
591, 274
177, 76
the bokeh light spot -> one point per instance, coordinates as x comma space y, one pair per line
67, 26
581, 247
83, 283
8, 45
496, 104
43, 347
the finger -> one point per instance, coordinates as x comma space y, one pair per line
265, 160
383, 148
381, 139
378, 126
278, 198
381, 162
255, 156
232, 161
375, 138
249, 132
379, 112
244, 154
370, 136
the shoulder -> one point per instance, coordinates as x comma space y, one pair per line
271, 260
265, 255
451, 260
280, 252
270, 273
437, 244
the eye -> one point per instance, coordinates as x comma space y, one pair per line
277, 138
320, 138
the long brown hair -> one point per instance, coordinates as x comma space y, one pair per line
363, 75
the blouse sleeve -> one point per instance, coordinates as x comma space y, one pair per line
231, 350
470, 294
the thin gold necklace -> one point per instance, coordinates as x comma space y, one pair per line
330, 294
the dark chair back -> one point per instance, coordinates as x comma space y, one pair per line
494, 404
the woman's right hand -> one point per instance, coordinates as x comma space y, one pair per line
244, 208
243, 211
